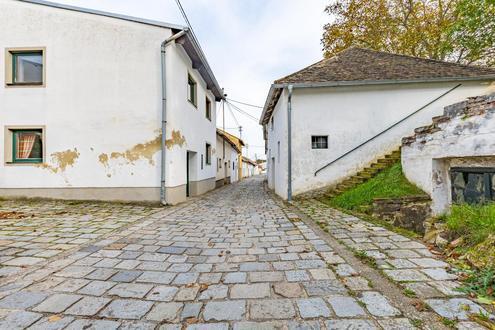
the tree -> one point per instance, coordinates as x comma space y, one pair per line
461, 31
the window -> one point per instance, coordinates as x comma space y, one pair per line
271, 121
208, 109
208, 154
278, 151
319, 142
24, 67
27, 145
191, 90
201, 161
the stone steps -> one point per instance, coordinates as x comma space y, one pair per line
365, 174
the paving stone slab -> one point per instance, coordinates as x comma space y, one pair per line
224, 310
167, 312
350, 324
312, 308
344, 306
455, 308
271, 309
126, 309
378, 305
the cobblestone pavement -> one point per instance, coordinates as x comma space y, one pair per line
406, 262
31, 232
235, 258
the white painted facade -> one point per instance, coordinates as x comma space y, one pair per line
227, 167
102, 101
349, 116
462, 141
248, 169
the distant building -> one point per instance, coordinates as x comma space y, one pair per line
249, 167
229, 153
353, 108
84, 97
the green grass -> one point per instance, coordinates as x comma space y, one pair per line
474, 222
390, 183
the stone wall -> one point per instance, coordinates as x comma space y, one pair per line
463, 136
407, 212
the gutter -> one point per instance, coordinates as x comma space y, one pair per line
289, 144
163, 197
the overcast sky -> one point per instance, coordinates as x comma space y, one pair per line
248, 43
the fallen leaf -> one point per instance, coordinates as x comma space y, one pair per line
54, 318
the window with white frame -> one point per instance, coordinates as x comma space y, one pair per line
319, 142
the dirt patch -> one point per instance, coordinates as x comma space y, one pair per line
12, 215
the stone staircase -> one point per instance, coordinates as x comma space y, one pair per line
365, 174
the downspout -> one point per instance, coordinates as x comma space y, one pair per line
163, 197
289, 144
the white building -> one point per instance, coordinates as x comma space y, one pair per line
349, 110
249, 168
228, 156
83, 100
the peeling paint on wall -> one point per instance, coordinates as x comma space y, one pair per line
139, 151
103, 158
61, 160
177, 139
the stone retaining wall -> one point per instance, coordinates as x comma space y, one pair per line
406, 212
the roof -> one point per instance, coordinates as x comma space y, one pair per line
187, 41
234, 141
247, 160
360, 66
106, 14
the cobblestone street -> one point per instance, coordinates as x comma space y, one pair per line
234, 258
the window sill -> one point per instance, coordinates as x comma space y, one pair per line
23, 163
12, 85
192, 103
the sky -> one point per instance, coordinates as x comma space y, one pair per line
248, 44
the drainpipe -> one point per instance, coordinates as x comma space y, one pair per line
289, 144
163, 197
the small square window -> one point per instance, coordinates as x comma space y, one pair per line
208, 154
24, 67
191, 90
27, 146
319, 142
208, 109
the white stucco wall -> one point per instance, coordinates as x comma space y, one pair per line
350, 116
234, 166
102, 96
277, 148
462, 141
230, 156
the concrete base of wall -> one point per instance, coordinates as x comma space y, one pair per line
174, 195
219, 183
127, 194
197, 188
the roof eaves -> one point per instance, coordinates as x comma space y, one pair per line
106, 14
193, 50
270, 101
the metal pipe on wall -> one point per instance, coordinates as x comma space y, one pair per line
289, 144
163, 197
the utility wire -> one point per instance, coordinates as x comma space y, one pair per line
243, 103
232, 113
244, 112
